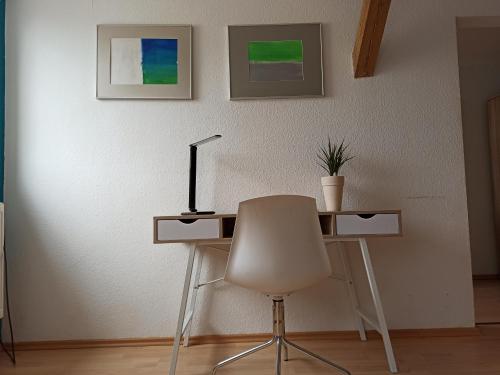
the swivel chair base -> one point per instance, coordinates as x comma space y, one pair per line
281, 342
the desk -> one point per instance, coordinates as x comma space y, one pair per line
216, 231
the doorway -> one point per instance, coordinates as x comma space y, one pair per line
479, 68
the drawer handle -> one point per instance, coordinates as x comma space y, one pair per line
366, 216
188, 221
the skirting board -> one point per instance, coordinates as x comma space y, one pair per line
485, 277
238, 338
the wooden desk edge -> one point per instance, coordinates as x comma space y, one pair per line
320, 213
227, 240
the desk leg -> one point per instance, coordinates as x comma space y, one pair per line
194, 294
353, 297
182, 310
378, 306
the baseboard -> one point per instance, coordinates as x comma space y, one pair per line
239, 338
485, 277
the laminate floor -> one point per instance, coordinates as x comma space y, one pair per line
487, 301
468, 355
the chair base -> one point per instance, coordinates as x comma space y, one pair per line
281, 342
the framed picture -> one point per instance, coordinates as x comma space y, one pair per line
143, 62
275, 61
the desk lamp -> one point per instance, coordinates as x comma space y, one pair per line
193, 148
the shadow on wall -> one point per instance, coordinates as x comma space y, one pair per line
42, 292
395, 52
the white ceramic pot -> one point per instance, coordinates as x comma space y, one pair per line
333, 188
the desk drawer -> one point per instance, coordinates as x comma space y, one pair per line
367, 224
190, 229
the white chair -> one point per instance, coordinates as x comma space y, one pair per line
277, 249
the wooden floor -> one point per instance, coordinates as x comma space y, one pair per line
473, 355
468, 355
487, 301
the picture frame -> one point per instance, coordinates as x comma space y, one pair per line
144, 62
275, 61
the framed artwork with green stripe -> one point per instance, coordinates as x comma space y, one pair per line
275, 61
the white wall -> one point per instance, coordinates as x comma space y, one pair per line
479, 67
85, 177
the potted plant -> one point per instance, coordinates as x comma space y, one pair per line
332, 158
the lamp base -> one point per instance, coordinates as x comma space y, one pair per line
198, 213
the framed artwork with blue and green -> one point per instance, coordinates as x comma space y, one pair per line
144, 62
275, 61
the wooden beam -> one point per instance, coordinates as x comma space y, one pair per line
370, 32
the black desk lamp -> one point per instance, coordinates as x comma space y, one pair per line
193, 148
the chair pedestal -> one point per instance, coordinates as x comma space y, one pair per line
281, 342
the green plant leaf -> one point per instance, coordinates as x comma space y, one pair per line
333, 156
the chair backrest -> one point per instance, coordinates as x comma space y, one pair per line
277, 245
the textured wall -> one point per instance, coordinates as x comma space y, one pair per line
479, 62
84, 177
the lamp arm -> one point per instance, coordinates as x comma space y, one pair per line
192, 177
193, 149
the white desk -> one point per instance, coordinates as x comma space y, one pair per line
216, 231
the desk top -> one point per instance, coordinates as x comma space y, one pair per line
220, 227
